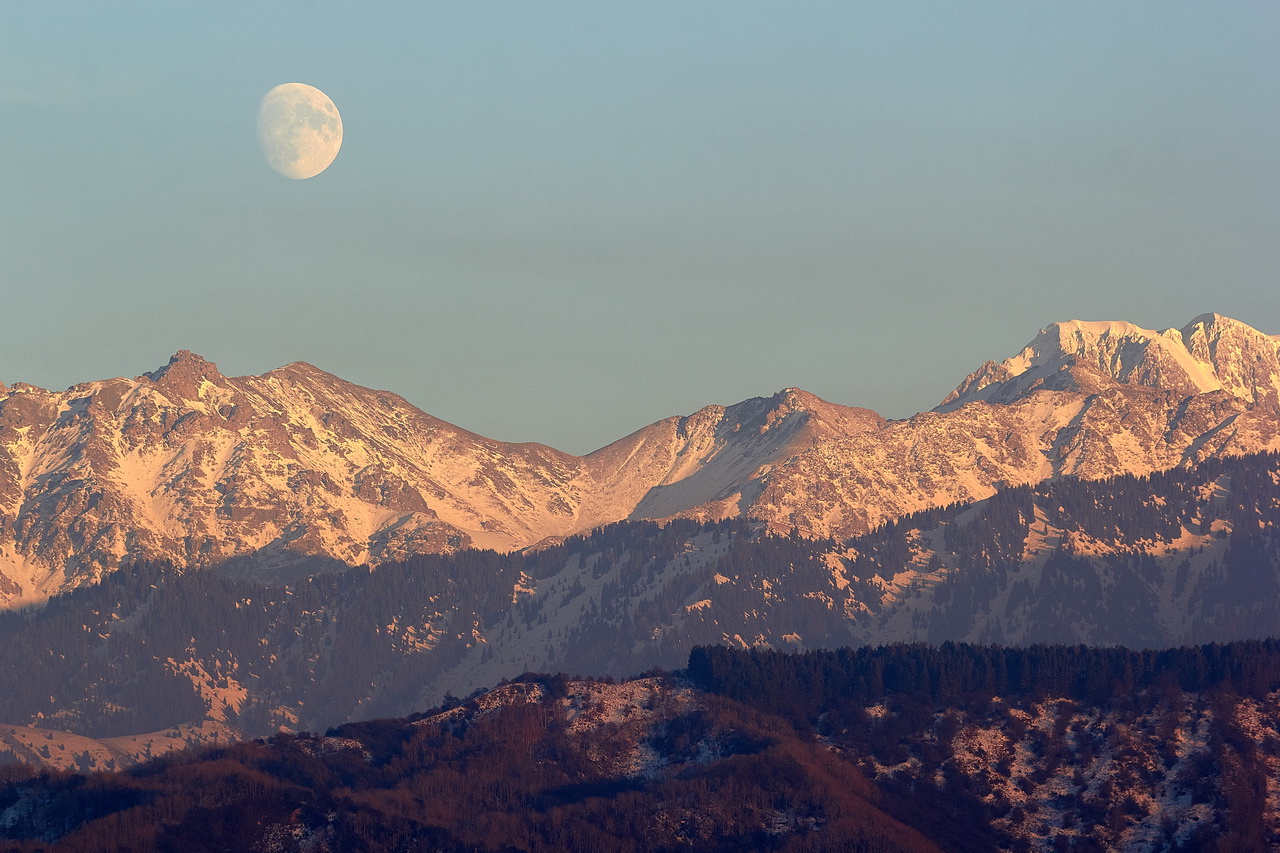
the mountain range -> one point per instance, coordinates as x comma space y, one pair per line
202, 559
285, 474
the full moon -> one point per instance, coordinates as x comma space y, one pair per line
299, 130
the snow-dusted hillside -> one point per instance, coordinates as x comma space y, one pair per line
289, 472
66, 751
1186, 556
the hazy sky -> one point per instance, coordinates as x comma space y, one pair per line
559, 222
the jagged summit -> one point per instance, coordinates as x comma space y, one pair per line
183, 361
1211, 353
184, 375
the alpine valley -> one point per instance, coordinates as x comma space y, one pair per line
202, 558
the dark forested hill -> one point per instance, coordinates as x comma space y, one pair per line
1043, 748
957, 748
538, 765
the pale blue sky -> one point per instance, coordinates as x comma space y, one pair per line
559, 222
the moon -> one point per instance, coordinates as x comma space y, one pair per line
299, 130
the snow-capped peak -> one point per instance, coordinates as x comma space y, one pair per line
1211, 353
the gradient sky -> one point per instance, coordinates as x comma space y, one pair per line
561, 221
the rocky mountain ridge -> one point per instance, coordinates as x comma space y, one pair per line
289, 472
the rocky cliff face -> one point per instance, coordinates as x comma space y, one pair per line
295, 469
